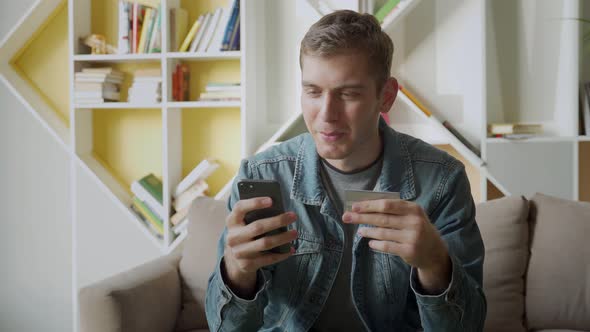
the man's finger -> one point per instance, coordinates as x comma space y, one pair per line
388, 247
236, 217
390, 206
384, 234
254, 248
375, 219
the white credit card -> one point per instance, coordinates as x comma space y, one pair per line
352, 196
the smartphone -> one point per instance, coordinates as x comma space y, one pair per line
264, 188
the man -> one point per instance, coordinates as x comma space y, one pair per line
387, 265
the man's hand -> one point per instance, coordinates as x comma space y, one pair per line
243, 253
402, 228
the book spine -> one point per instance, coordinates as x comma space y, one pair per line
185, 79
148, 215
123, 43
204, 19
147, 197
189, 37
415, 101
230, 25
135, 27
154, 31
385, 9
235, 38
208, 35
153, 186
147, 19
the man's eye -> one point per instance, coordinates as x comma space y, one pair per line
313, 92
349, 94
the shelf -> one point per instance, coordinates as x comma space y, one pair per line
118, 194
205, 56
498, 140
584, 138
204, 104
118, 105
401, 10
177, 241
117, 57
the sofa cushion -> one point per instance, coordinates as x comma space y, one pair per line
504, 229
558, 280
206, 223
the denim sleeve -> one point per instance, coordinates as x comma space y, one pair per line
462, 306
225, 310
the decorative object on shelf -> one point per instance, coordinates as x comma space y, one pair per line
181, 82
98, 44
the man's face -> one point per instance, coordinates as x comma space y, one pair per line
340, 105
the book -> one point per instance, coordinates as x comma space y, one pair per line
107, 95
514, 128
208, 35
190, 36
147, 3
229, 28
145, 196
229, 87
135, 27
415, 101
179, 216
184, 78
234, 44
221, 95
155, 44
200, 172
216, 43
385, 9
148, 215
147, 20
153, 185
199, 36
102, 71
461, 138
151, 228
123, 28
181, 227
95, 86
185, 199
178, 27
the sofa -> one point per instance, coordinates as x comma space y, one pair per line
536, 272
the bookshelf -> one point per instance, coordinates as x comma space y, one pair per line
119, 142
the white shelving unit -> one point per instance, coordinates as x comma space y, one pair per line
171, 112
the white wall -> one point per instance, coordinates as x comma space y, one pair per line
36, 273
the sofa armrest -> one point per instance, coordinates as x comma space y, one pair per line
145, 298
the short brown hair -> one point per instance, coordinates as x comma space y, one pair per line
345, 31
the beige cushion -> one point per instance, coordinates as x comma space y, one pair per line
504, 229
558, 281
206, 222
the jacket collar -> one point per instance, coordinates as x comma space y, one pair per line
396, 174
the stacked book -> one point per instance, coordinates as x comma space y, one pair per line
97, 85
147, 203
515, 130
140, 25
146, 87
211, 32
221, 92
189, 189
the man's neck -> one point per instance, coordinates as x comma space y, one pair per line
362, 159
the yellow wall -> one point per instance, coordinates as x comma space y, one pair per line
212, 133
129, 142
43, 62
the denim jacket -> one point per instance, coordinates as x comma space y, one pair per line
385, 290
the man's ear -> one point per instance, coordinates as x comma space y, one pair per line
388, 94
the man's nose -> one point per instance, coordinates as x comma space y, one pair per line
330, 108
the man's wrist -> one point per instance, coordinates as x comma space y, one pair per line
241, 284
436, 279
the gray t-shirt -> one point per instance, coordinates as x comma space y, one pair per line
339, 313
